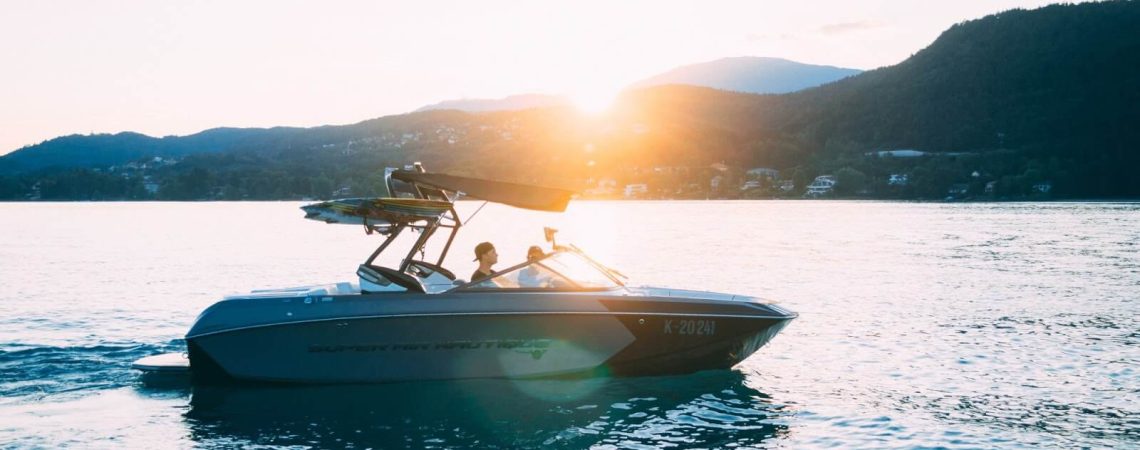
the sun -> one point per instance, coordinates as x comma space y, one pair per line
594, 99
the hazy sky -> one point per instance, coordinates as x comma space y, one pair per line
179, 67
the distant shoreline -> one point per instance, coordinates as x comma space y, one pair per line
868, 200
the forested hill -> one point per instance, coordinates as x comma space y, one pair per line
1008, 106
1063, 76
1060, 85
101, 150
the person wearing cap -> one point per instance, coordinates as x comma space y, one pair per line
487, 257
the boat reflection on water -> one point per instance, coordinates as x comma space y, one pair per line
657, 411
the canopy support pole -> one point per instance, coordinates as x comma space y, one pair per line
391, 237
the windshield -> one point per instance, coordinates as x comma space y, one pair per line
560, 271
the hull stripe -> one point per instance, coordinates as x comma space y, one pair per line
588, 313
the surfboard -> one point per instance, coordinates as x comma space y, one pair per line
164, 363
375, 210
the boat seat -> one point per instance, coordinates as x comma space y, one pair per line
426, 269
379, 279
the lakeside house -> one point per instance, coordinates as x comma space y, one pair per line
150, 185
822, 185
763, 172
605, 187
636, 190
901, 153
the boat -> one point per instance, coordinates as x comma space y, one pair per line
561, 315
822, 185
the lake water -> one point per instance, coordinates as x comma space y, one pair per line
1011, 325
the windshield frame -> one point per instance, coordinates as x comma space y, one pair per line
472, 285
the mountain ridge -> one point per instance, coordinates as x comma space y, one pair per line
508, 103
751, 74
1023, 97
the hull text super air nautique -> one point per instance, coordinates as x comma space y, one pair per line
562, 315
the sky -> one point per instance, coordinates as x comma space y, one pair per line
180, 67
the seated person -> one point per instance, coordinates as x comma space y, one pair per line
487, 256
530, 276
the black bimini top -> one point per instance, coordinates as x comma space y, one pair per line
513, 194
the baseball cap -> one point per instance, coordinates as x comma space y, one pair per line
482, 248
